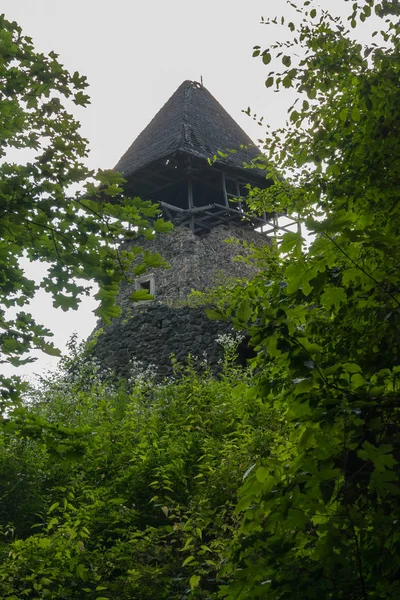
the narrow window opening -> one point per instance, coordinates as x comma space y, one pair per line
145, 285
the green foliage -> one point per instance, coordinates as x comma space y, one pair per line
319, 514
145, 506
76, 235
280, 481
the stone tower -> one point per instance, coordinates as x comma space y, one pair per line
190, 159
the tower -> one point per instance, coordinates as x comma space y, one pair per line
191, 160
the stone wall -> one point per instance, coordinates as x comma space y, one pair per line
152, 334
151, 331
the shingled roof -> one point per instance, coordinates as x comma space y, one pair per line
191, 122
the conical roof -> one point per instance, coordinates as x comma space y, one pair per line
192, 122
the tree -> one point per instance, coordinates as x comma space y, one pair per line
320, 513
77, 235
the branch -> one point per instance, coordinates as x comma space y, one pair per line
48, 228
101, 217
327, 383
358, 553
378, 283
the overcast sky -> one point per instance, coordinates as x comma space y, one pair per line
135, 55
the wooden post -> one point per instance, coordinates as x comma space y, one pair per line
276, 224
190, 194
238, 195
190, 202
224, 190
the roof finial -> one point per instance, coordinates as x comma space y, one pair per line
201, 80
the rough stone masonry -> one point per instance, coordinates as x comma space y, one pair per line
152, 331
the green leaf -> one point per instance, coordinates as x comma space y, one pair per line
141, 295
352, 367
53, 507
49, 349
215, 315
355, 114
269, 82
262, 473
333, 297
161, 226
244, 311
81, 572
290, 240
81, 99
295, 274
194, 581
188, 560
266, 58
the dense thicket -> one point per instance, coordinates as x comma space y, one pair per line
126, 493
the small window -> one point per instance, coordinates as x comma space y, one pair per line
147, 283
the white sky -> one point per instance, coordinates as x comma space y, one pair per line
135, 54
